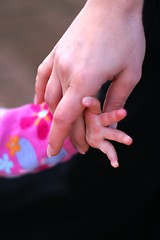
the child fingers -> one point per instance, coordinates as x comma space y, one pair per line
113, 117
117, 135
92, 104
107, 148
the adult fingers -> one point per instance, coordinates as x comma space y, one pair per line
67, 111
43, 74
120, 89
53, 92
78, 135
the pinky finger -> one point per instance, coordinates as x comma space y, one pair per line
43, 74
107, 148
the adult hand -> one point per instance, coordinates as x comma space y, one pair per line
104, 42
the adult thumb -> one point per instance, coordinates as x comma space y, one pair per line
119, 90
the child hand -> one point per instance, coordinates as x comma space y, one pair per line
99, 130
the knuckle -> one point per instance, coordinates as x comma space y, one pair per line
138, 76
38, 87
47, 99
50, 103
65, 64
91, 140
40, 70
59, 118
84, 74
135, 76
119, 103
83, 78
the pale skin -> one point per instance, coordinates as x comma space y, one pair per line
105, 42
99, 132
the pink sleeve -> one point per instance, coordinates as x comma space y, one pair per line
24, 138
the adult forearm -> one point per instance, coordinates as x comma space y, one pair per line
124, 5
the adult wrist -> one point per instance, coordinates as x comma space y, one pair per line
126, 6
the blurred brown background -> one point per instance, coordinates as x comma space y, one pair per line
28, 32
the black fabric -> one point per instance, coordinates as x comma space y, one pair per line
86, 198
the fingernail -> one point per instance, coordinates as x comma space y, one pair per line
85, 100
49, 151
115, 164
128, 140
80, 150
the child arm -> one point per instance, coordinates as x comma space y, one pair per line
24, 138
